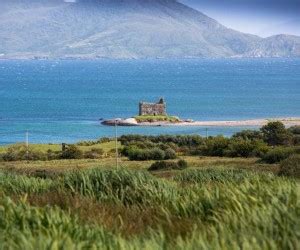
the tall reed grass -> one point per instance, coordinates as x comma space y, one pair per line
218, 209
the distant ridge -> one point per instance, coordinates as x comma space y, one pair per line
125, 29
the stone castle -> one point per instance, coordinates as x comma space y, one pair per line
155, 109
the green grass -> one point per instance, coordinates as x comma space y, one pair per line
199, 208
158, 118
107, 146
194, 162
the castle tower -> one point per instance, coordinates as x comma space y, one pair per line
153, 108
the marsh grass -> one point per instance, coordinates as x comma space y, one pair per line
129, 209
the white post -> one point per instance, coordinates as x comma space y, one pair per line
116, 141
27, 144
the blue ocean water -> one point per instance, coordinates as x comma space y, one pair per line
62, 101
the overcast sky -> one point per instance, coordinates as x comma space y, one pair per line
260, 17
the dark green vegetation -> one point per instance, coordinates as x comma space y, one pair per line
290, 166
168, 165
170, 192
273, 143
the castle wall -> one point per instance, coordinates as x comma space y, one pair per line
152, 109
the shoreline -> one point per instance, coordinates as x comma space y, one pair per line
131, 122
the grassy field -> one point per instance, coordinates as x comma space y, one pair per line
77, 197
216, 203
194, 162
199, 208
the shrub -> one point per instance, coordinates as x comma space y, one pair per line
290, 166
296, 139
295, 130
182, 164
261, 148
53, 155
241, 148
246, 148
179, 140
94, 153
157, 154
72, 152
21, 152
170, 154
168, 165
216, 146
277, 155
136, 154
249, 135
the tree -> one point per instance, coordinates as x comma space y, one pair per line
275, 133
249, 135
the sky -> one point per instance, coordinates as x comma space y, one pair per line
259, 17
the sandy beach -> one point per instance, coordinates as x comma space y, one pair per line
288, 122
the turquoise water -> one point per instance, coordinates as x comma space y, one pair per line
62, 101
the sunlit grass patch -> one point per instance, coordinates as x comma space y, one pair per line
156, 118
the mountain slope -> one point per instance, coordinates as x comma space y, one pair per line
124, 29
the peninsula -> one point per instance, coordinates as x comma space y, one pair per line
155, 115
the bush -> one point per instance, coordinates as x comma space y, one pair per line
72, 152
295, 130
179, 140
21, 152
261, 148
241, 148
216, 146
277, 155
246, 148
296, 140
137, 154
249, 135
182, 164
170, 154
290, 166
168, 165
53, 155
94, 153
157, 154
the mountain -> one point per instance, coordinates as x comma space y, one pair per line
125, 29
288, 27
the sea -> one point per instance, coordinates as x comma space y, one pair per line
60, 101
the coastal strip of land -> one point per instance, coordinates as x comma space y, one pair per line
288, 122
